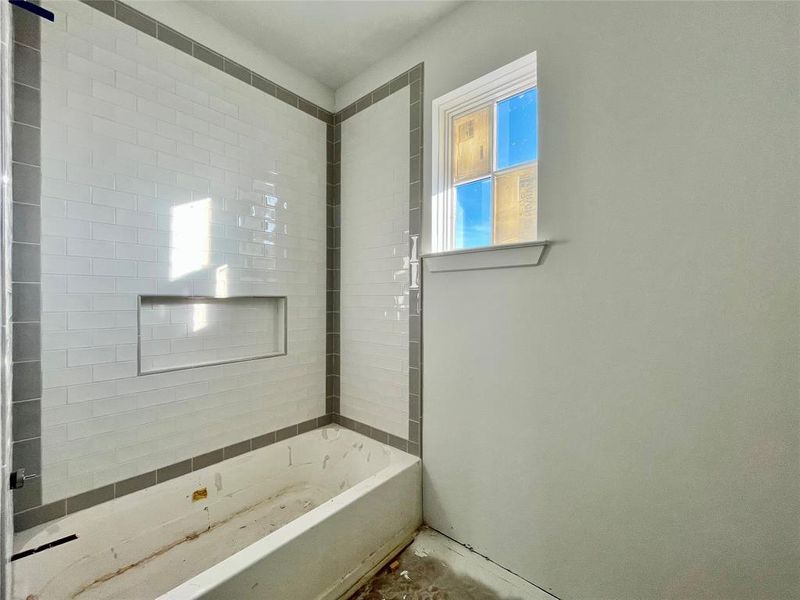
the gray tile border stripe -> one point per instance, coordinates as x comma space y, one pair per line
416, 77
173, 471
209, 57
135, 19
26, 348
286, 433
132, 484
41, 514
372, 432
90, 498
207, 459
333, 259
146, 24
173, 38
106, 6
236, 449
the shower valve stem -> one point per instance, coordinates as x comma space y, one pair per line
18, 478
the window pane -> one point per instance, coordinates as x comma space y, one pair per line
474, 214
517, 130
472, 156
515, 206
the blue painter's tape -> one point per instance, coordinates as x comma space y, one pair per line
34, 8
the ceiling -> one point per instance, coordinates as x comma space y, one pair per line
331, 41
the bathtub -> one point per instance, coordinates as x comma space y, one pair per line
306, 518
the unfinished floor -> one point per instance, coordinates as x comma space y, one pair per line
434, 567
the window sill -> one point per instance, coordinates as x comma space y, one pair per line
527, 254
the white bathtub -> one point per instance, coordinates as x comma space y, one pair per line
306, 518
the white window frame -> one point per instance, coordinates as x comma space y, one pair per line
494, 87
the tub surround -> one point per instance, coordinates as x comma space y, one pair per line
138, 41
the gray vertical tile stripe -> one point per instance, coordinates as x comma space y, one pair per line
26, 223
25, 262
25, 184
27, 454
26, 420
27, 63
26, 382
27, 105
333, 208
26, 302
27, 28
416, 94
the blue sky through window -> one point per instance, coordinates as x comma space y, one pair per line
474, 214
517, 129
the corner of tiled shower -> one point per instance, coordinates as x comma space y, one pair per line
134, 124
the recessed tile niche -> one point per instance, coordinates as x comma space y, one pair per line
178, 332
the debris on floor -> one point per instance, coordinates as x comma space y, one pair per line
430, 569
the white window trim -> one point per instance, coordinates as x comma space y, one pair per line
502, 83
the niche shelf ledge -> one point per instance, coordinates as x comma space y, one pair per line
526, 254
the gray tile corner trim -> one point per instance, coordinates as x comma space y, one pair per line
149, 26
26, 351
414, 80
333, 250
36, 515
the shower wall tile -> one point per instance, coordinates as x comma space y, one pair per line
374, 339
163, 175
26, 258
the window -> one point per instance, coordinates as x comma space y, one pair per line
486, 151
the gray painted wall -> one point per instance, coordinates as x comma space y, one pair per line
622, 421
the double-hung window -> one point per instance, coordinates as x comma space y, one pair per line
486, 151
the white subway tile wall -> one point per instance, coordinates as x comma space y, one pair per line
374, 265
162, 175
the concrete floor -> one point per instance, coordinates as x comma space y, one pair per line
435, 567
